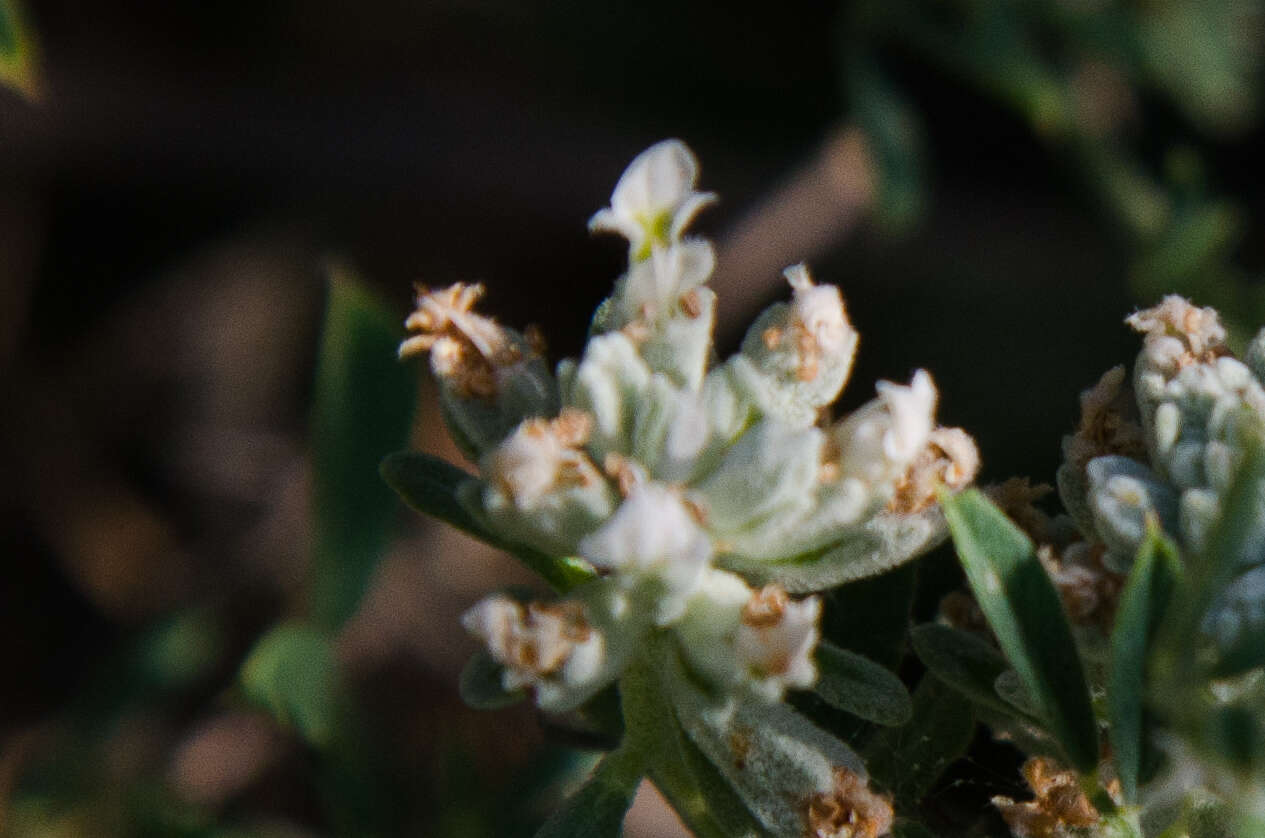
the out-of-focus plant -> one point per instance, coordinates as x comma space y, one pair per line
674, 502
1086, 77
17, 49
1140, 614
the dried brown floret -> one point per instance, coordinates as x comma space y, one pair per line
766, 607
849, 810
1109, 423
1060, 802
949, 459
1017, 497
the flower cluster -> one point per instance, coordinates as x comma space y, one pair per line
699, 494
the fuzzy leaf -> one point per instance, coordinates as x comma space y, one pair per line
597, 810
430, 486
908, 760
363, 406
292, 673
481, 686
882, 543
965, 662
1142, 604
1027, 616
860, 686
704, 800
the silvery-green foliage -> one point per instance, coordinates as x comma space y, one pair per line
675, 484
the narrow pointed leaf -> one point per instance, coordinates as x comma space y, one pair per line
1145, 597
597, 810
1027, 616
860, 686
969, 664
362, 409
481, 686
429, 485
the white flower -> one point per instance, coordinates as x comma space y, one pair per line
549, 647
820, 314
653, 534
655, 199
657, 287
879, 442
776, 639
541, 456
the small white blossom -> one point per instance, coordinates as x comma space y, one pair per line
550, 648
653, 534
656, 287
880, 441
776, 639
540, 456
654, 200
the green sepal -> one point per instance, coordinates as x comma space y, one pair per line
1027, 617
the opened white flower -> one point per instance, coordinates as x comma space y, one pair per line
550, 648
776, 639
880, 441
654, 200
653, 534
658, 286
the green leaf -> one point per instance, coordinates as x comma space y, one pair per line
908, 760
965, 662
597, 810
895, 141
17, 52
430, 486
702, 798
860, 686
292, 673
1142, 604
363, 406
481, 686
1025, 613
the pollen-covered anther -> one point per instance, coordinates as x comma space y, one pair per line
849, 810
624, 472
572, 427
692, 304
1060, 803
466, 348
950, 459
766, 607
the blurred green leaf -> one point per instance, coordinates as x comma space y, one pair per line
908, 760
17, 52
894, 135
363, 406
292, 673
860, 686
597, 809
965, 662
1025, 613
481, 686
429, 485
1142, 604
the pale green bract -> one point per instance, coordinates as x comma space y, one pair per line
681, 482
